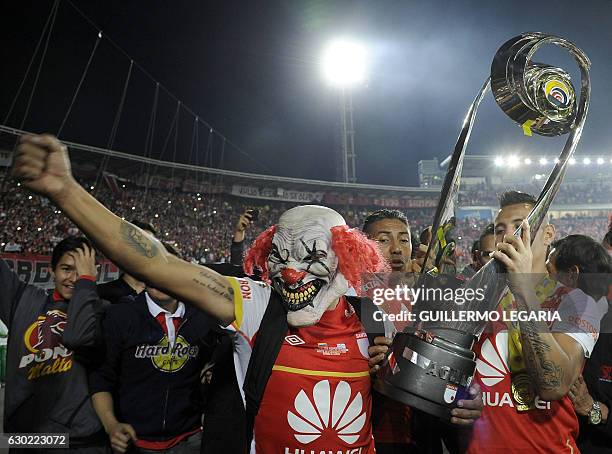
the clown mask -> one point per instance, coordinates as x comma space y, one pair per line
311, 257
302, 264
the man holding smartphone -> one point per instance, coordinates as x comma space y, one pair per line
245, 221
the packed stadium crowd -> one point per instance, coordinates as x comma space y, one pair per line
585, 193
203, 224
142, 364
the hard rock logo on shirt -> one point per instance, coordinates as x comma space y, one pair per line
43, 340
168, 357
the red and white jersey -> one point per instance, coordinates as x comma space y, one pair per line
318, 396
551, 426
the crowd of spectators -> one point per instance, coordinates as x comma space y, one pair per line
586, 193
202, 225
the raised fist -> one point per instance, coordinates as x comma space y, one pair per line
42, 165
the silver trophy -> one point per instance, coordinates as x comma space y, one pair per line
431, 365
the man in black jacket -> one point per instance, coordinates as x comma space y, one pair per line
147, 389
46, 382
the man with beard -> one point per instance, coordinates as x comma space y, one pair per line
526, 368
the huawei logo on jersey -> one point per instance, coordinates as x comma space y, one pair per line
327, 411
493, 362
492, 366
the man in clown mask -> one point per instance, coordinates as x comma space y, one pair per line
310, 364
318, 394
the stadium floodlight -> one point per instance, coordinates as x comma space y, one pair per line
344, 63
499, 161
572, 161
527, 161
543, 161
600, 161
557, 161
513, 161
538, 176
586, 161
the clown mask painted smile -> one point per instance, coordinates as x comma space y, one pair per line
300, 297
299, 288
303, 267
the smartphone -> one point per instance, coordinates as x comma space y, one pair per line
254, 213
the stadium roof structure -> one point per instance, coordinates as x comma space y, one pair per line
126, 166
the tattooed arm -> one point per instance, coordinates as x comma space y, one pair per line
41, 163
553, 360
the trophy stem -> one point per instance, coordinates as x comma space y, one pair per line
448, 196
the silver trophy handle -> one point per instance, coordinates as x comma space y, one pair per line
445, 212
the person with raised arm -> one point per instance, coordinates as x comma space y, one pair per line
41, 163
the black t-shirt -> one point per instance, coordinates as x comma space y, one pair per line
598, 377
113, 291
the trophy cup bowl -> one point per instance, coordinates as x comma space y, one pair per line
431, 367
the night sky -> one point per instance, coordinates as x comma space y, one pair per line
250, 69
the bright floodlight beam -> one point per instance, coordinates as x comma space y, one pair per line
344, 63
513, 161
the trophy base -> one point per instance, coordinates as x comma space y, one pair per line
428, 372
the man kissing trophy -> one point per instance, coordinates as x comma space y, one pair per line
431, 364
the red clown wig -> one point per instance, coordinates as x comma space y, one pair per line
356, 254
257, 254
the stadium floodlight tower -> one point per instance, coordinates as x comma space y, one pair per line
344, 65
